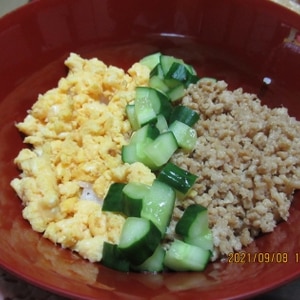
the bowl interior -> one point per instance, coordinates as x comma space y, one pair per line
242, 42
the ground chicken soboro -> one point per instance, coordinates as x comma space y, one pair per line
247, 158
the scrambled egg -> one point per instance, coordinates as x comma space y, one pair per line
77, 131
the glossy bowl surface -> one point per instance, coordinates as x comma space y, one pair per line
240, 41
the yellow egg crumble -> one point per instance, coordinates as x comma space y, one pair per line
76, 132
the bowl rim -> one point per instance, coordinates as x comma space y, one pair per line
34, 5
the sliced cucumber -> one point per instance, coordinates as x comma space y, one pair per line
204, 241
158, 83
135, 150
185, 257
158, 205
191, 80
167, 61
158, 101
130, 112
148, 131
142, 157
191, 69
113, 200
174, 68
129, 153
139, 239
162, 148
157, 71
176, 92
144, 111
159, 131
154, 263
161, 124
194, 221
151, 60
172, 83
161, 103
193, 226
113, 258
178, 71
185, 135
185, 115
181, 180
134, 192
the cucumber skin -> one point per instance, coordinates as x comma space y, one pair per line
133, 198
186, 136
113, 200
155, 152
129, 154
137, 252
151, 60
187, 220
112, 258
158, 208
147, 131
204, 241
185, 115
132, 207
130, 112
154, 263
181, 180
185, 257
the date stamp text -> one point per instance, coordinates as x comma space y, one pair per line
262, 257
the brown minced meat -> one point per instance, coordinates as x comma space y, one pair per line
247, 160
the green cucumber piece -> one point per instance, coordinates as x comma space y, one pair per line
139, 239
185, 115
185, 257
134, 192
194, 222
129, 153
185, 135
134, 151
113, 201
162, 148
158, 205
158, 83
161, 124
167, 61
192, 79
157, 71
113, 258
161, 103
181, 180
204, 241
176, 92
183, 73
179, 72
172, 83
151, 60
191, 69
149, 131
144, 111
130, 112
142, 157
154, 264
158, 101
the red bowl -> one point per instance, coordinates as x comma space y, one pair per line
240, 41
